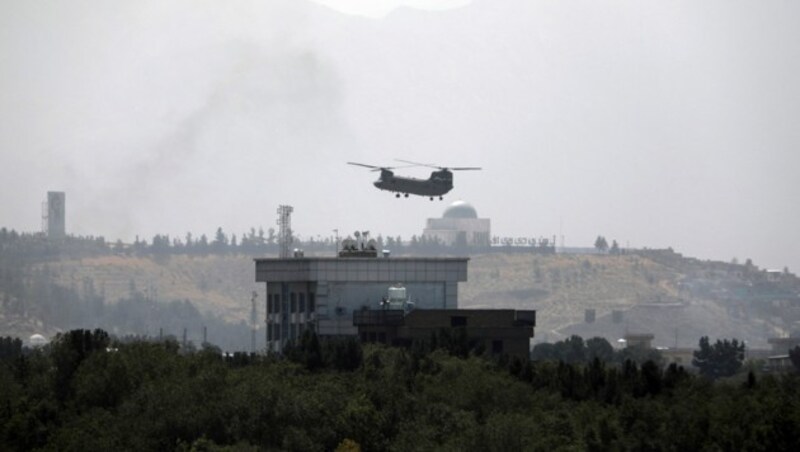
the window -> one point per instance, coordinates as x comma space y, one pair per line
311, 302
293, 298
458, 320
302, 302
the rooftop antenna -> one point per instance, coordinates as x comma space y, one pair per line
336, 232
253, 324
284, 229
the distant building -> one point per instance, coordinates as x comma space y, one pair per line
321, 293
639, 340
497, 331
54, 215
782, 345
459, 225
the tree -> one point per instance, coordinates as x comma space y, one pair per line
614, 247
722, 359
598, 347
794, 356
601, 244
220, 243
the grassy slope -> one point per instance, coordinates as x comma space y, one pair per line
218, 284
561, 288
558, 287
565, 285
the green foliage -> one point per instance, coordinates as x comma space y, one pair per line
575, 350
722, 359
337, 395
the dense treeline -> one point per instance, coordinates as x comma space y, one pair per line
37, 248
87, 391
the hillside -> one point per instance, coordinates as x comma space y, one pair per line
561, 287
221, 285
675, 298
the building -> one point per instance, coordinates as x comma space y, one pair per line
321, 293
459, 226
497, 331
54, 215
644, 340
782, 345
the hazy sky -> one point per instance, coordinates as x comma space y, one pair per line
653, 123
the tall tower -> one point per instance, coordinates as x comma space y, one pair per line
253, 322
284, 229
54, 214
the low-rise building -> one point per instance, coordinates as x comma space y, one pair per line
497, 331
459, 226
321, 293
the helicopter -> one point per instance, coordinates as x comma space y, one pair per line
439, 182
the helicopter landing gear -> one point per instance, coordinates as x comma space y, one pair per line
406, 195
397, 195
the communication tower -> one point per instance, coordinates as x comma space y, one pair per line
253, 322
284, 229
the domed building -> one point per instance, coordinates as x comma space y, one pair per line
460, 226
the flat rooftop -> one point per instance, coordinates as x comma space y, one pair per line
417, 269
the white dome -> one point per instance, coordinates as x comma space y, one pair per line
37, 340
460, 209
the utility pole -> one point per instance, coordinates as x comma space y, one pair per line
253, 324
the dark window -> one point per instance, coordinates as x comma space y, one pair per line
293, 298
277, 332
382, 338
458, 320
302, 302
311, 303
497, 347
292, 331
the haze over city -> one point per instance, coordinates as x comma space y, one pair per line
656, 124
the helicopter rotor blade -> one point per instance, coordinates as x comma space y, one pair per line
419, 164
365, 165
379, 168
429, 165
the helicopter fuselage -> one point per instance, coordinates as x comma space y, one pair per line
439, 183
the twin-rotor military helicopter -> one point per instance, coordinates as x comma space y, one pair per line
439, 182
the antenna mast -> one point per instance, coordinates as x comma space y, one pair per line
253, 324
284, 229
